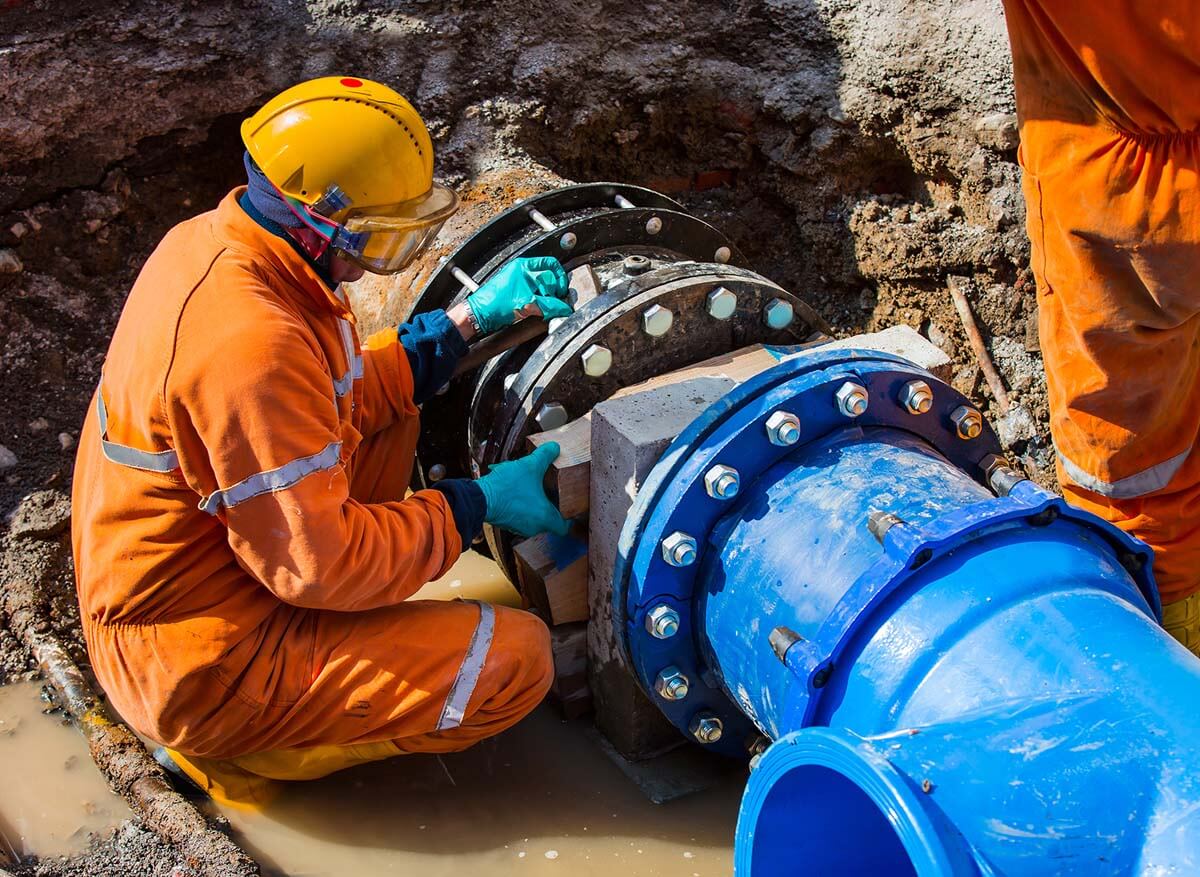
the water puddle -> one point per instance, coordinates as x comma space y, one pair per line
51, 797
540, 799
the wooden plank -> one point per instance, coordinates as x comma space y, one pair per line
553, 575
569, 477
568, 644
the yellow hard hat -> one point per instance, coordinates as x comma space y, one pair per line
354, 161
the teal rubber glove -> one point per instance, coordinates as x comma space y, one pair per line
516, 499
516, 286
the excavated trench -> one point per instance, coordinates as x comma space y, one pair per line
859, 154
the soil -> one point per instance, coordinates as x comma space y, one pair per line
858, 151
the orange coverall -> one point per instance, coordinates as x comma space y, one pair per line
242, 545
1108, 96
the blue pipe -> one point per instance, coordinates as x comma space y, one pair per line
958, 680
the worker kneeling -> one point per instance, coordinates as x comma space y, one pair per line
243, 544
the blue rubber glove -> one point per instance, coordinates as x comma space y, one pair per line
516, 286
516, 499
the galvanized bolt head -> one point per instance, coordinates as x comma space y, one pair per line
662, 622
437, 472
653, 225
706, 727
671, 684
552, 415
596, 360
636, 265
783, 428
916, 397
679, 549
778, 313
568, 241
721, 482
967, 422
722, 255
657, 320
721, 303
852, 399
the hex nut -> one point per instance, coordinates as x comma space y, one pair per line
722, 303
852, 399
967, 422
552, 415
679, 549
653, 225
596, 360
636, 264
721, 482
722, 255
778, 313
916, 397
783, 428
671, 684
662, 622
437, 472
657, 320
706, 727
568, 241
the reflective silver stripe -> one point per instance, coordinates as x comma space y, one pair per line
345, 383
272, 480
1139, 484
150, 461
468, 673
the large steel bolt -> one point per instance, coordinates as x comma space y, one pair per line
568, 241
679, 549
653, 225
596, 360
778, 313
662, 622
852, 399
967, 422
437, 472
916, 397
722, 255
783, 428
671, 684
636, 265
657, 320
721, 303
706, 727
552, 415
721, 482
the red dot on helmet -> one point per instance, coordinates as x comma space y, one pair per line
350, 82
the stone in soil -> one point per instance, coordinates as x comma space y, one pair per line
41, 515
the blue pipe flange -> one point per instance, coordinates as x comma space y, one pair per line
667, 532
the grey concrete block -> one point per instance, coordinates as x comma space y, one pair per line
902, 341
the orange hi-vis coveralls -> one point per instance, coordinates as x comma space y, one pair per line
242, 543
1108, 96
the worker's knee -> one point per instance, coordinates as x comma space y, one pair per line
520, 656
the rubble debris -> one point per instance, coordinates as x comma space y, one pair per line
43, 514
10, 262
7, 458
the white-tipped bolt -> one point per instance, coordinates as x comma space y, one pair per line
552, 415
778, 313
437, 472
721, 303
722, 255
721, 482
671, 684
568, 241
653, 225
706, 728
783, 428
657, 320
596, 360
662, 622
967, 422
679, 549
852, 399
916, 397
509, 380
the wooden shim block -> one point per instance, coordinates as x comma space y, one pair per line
553, 573
569, 478
583, 285
568, 645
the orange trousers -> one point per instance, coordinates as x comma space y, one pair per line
422, 676
1108, 97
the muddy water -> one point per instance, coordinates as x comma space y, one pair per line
540, 799
51, 795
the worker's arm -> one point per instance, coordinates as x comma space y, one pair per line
259, 437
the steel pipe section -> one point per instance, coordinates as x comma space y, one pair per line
654, 288
940, 668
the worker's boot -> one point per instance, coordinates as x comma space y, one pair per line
223, 781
